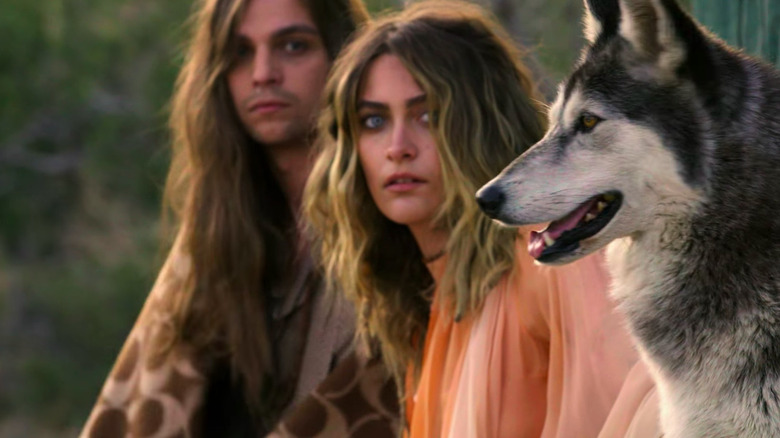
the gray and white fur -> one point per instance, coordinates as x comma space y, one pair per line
688, 133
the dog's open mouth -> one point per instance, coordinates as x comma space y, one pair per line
563, 236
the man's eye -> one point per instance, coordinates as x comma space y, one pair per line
242, 52
295, 46
372, 122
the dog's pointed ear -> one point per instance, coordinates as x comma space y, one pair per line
601, 19
650, 27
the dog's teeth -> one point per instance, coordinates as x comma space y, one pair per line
609, 197
601, 206
549, 241
589, 217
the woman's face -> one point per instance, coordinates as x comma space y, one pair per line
396, 146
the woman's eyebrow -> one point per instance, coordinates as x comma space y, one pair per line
416, 100
412, 101
371, 105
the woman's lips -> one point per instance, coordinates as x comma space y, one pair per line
403, 182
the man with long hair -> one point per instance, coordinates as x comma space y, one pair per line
237, 330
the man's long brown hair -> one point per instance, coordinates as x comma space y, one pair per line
233, 219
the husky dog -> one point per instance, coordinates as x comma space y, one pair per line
666, 143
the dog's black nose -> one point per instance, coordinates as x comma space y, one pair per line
490, 200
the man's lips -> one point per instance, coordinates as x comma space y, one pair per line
403, 182
267, 106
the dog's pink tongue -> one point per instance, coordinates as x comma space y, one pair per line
536, 244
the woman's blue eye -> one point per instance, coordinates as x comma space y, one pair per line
373, 122
425, 117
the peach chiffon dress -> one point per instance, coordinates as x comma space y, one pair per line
546, 356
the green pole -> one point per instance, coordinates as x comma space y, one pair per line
753, 25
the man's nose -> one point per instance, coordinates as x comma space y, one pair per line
265, 69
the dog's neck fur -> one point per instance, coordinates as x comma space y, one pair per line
701, 290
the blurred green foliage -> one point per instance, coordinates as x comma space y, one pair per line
83, 154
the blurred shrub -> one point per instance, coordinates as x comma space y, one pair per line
83, 155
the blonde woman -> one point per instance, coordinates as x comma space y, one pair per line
422, 109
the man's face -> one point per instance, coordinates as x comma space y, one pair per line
279, 71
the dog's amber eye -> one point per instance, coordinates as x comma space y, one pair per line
589, 121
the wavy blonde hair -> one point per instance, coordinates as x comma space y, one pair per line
487, 112
234, 221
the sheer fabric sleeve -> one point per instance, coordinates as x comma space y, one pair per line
597, 385
486, 375
635, 413
546, 356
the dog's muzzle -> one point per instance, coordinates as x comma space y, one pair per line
490, 200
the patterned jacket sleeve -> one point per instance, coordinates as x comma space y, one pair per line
146, 395
358, 399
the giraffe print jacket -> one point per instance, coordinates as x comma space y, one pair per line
156, 397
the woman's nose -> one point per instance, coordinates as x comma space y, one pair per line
402, 146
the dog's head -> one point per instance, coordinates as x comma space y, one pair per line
624, 149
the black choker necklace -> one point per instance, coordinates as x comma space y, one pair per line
433, 258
